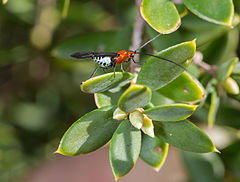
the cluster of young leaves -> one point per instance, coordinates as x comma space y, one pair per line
142, 118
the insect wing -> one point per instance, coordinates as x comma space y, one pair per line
105, 54
82, 55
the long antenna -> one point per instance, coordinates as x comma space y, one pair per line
146, 43
151, 55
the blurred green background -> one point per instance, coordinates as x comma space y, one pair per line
39, 83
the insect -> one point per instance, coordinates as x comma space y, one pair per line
107, 60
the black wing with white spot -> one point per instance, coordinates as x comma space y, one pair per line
83, 54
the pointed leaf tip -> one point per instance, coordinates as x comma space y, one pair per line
216, 150
156, 73
170, 112
56, 152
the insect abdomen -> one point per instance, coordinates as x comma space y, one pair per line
103, 61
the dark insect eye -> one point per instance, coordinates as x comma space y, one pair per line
131, 55
118, 54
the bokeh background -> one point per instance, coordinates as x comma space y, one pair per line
40, 96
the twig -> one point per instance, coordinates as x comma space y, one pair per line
198, 60
136, 38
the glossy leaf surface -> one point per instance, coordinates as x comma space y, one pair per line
226, 69
136, 119
161, 15
134, 97
156, 73
216, 11
153, 151
124, 149
109, 97
90, 132
105, 82
172, 112
184, 135
185, 88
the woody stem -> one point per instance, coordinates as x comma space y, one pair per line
136, 38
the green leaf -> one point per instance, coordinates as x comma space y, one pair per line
89, 133
156, 73
109, 97
185, 88
184, 135
148, 127
236, 69
223, 48
193, 70
124, 149
118, 114
161, 15
215, 101
172, 112
226, 69
153, 151
159, 99
215, 11
65, 8
105, 82
196, 24
181, 10
136, 96
136, 119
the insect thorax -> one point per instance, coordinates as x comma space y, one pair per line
104, 61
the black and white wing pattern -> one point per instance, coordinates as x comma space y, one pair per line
104, 59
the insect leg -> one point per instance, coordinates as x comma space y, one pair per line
114, 66
104, 70
94, 72
122, 67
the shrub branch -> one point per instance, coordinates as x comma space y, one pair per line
137, 38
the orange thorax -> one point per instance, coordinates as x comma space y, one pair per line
123, 56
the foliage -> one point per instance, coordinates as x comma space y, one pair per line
136, 112
139, 115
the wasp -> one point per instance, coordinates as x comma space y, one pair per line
107, 60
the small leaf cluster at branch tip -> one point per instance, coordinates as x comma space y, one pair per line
137, 119
119, 114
